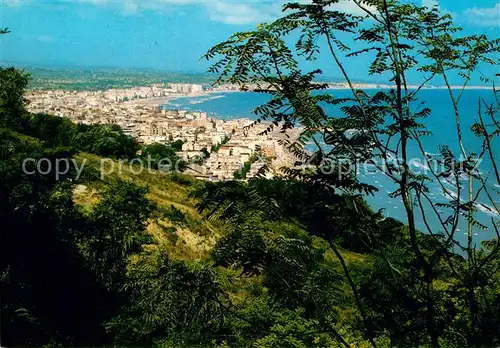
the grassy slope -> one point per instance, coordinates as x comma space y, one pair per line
188, 237
191, 238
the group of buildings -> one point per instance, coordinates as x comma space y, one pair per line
229, 143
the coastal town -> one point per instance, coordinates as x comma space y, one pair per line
215, 149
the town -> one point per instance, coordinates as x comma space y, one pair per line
215, 149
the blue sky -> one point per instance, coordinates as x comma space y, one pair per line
162, 34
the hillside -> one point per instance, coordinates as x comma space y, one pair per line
175, 223
140, 258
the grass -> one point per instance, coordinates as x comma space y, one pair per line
175, 224
86, 197
178, 228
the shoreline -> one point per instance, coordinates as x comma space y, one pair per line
166, 99
159, 101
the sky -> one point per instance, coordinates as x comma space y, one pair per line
166, 34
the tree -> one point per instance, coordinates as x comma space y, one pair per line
115, 231
105, 140
12, 85
53, 130
59, 267
171, 303
177, 145
395, 33
205, 152
163, 157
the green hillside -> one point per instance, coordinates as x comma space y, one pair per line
103, 242
188, 236
94, 257
164, 260
175, 223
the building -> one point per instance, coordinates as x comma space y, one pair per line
185, 88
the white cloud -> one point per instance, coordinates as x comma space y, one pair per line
348, 6
486, 16
225, 11
239, 12
242, 13
258, 11
130, 8
430, 3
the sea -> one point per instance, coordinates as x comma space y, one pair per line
441, 123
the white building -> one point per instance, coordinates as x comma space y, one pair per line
186, 88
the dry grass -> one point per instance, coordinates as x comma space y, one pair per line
191, 239
86, 197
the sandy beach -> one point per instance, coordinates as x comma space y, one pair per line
166, 99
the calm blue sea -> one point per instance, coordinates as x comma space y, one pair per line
441, 123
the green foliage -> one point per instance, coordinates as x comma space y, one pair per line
242, 173
181, 179
216, 147
115, 232
292, 330
401, 38
54, 131
163, 157
174, 215
205, 152
101, 79
59, 267
204, 155
12, 85
301, 260
177, 145
46, 289
170, 302
105, 140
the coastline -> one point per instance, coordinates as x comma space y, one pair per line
166, 99
141, 118
158, 101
